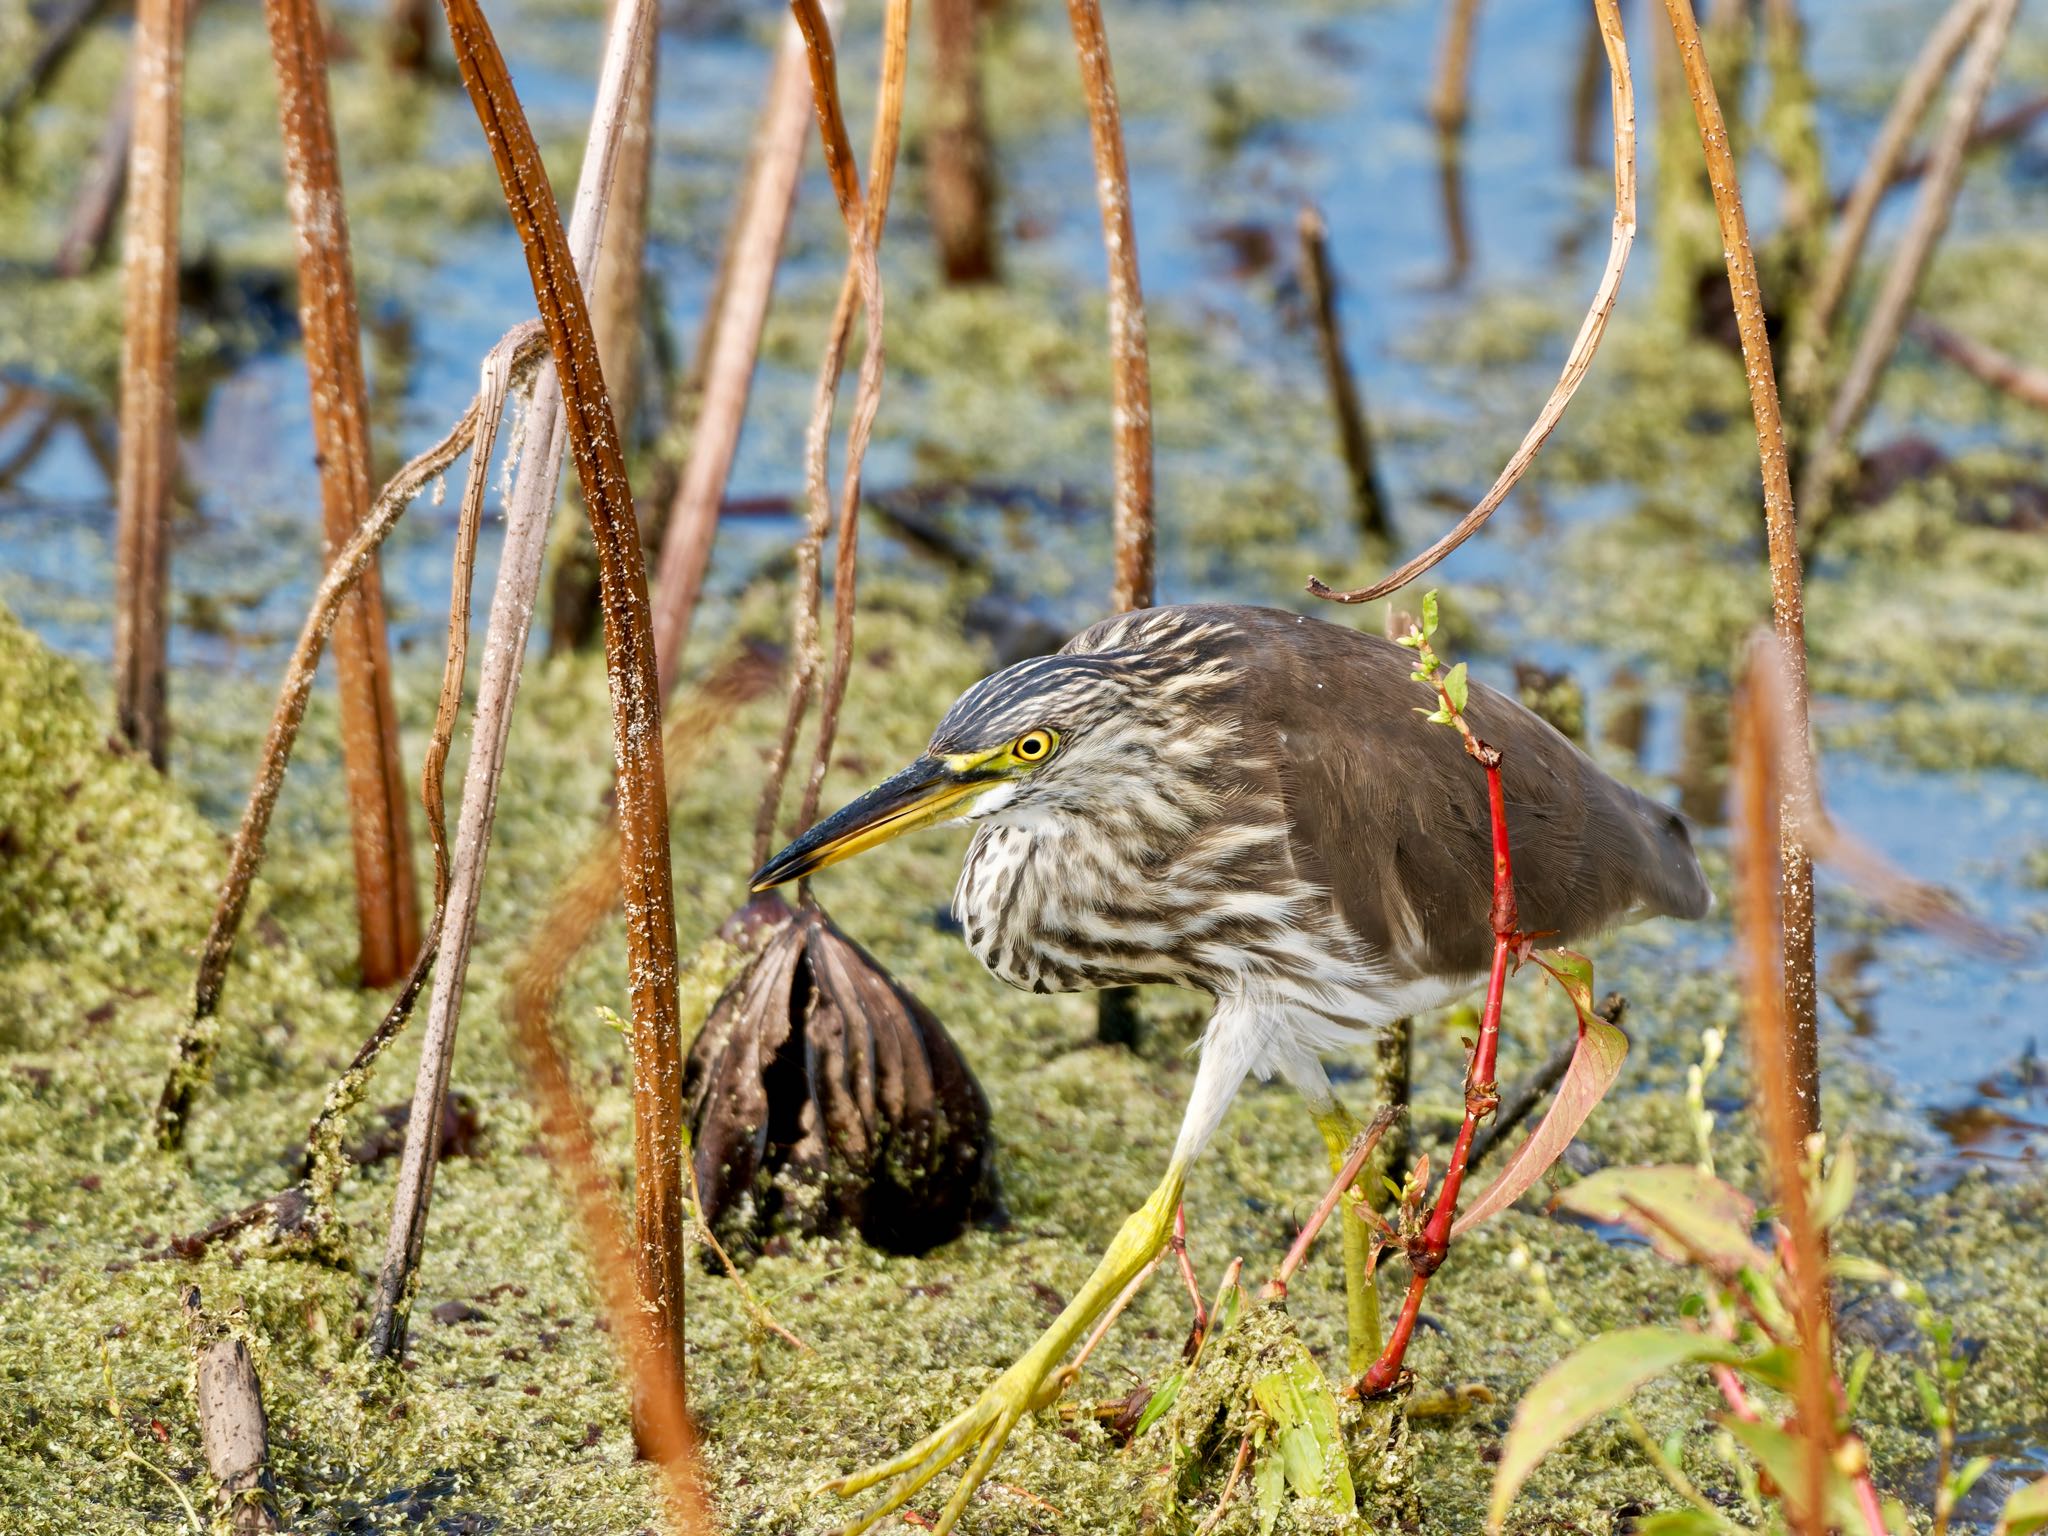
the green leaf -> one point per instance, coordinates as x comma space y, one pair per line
1678, 1522
1457, 687
1269, 1482
1595, 1063
1688, 1215
1161, 1400
1859, 1372
1429, 612
1837, 1190
1574, 972
1302, 1405
1777, 1368
1966, 1479
1597, 1378
1787, 1457
2025, 1512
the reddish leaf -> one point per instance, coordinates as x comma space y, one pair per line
1594, 1066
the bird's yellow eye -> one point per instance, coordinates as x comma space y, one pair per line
1034, 746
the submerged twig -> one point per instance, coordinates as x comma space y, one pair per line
1916, 91
387, 899
90, 227
733, 343
959, 180
232, 1426
513, 358
1580, 359
1354, 435
1130, 377
1802, 1064
149, 407
1887, 318
1448, 100
2023, 381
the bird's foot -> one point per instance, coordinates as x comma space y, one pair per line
982, 1429
1034, 1382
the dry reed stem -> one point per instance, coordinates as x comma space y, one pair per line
513, 359
661, 1416
1354, 435
578, 409
1580, 359
1880, 338
1130, 364
1788, 618
862, 284
1449, 99
1759, 798
1916, 91
960, 172
63, 33
864, 239
732, 344
2022, 381
90, 225
387, 898
615, 315
149, 354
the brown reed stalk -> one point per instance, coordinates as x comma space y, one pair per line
732, 344
861, 285
1450, 98
1801, 1062
387, 899
642, 801
512, 360
149, 406
1580, 359
2022, 381
615, 314
1761, 930
661, 1415
1908, 107
1129, 359
1354, 435
90, 226
864, 231
1825, 465
960, 172
408, 35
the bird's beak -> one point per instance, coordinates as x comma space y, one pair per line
932, 789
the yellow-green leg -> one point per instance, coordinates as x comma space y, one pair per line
1361, 1298
1029, 1384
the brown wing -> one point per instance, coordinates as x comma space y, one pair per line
1390, 813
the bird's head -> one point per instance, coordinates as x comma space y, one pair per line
1053, 733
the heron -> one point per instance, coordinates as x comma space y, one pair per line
1247, 803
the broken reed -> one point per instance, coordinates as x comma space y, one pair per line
1802, 1059
642, 801
1130, 364
387, 897
615, 315
959, 161
729, 346
148, 464
1579, 360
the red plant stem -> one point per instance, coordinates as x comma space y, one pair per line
1426, 1255
1187, 1270
1347, 1175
